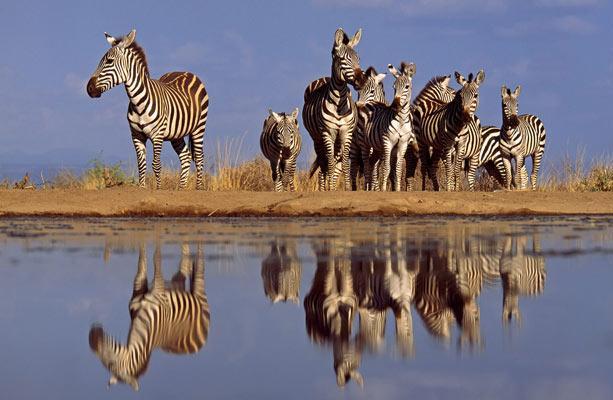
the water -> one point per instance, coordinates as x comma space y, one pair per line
299, 308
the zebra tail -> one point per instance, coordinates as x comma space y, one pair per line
313, 169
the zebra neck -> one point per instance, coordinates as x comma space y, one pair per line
339, 93
139, 89
455, 122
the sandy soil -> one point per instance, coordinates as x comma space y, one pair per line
139, 202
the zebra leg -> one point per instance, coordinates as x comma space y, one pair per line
400, 153
290, 173
157, 162
139, 140
197, 280
276, 175
519, 171
355, 159
375, 165
433, 168
345, 142
140, 280
330, 160
460, 154
449, 168
158, 279
473, 164
386, 155
197, 149
507, 172
411, 162
536, 164
367, 167
185, 158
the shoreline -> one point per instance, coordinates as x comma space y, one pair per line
134, 202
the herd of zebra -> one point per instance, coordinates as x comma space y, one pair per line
440, 277
383, 141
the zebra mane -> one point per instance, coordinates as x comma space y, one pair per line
139, 52
436, 81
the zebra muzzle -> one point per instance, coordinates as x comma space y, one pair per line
92, 89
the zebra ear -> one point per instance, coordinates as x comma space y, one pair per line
295, 113
517, 91
393, 70
379, 78
128, 39
273, 114
356, 38
459, 78
409, 69
134, 383
480, 77
110, 39
503, 90
339, 37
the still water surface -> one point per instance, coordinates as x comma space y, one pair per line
425, 308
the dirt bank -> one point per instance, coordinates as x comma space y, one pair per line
136, 202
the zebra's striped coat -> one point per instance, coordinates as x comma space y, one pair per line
167, 109
329, 113
387, 128
522, 136
170, 318
281, 143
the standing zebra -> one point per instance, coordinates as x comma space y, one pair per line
490, 156
171, 318
281, 143
388, 128
370, 90
442, 129
329, 113
435, 95
166, 109
522, 136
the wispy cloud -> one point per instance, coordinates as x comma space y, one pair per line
569, 24
189, 53
421, 7
75, 84
567, 3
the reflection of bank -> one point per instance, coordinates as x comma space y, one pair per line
165, 316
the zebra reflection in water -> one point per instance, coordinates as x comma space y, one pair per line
165, 316
281, 272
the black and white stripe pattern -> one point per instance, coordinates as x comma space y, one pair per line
432, 97
490, 156
281, 273
281, 143
522, 136
167, 109
442, 129
329, 113
370, 90
169, 318
387, 128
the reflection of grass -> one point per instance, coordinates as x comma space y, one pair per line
230, 173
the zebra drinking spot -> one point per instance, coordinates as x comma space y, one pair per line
162, 316
329, 113
281, 143
170, 108
522, 136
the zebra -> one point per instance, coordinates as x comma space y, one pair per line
388, 128
522, 136
170, 108
281, 273
490, 155
433, 96
522, 274
281, 143
329, 113
370, 90
171, 318
443, 129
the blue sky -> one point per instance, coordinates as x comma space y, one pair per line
256, 55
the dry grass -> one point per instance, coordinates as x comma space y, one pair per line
230, 173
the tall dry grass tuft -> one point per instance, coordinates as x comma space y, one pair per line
98, 176
571, 175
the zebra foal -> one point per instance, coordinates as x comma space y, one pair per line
166, 109
281, 143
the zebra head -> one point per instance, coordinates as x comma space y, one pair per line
287, 128
403, 85
345, 60
510, 106
116, 66
371, 88
113, 356
468, 95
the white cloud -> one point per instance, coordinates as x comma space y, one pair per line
567, 3
422, 7
570, 24
573, 24
189, 53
